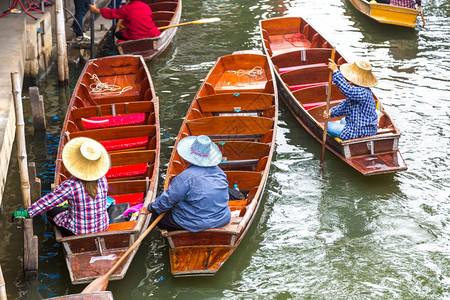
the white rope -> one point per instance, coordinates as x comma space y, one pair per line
255, 73
98, 87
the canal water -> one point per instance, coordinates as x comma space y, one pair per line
318, 235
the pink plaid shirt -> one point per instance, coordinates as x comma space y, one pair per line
406, 3
85, 215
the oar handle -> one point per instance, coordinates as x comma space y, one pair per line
423, 18
327, 110
201, 21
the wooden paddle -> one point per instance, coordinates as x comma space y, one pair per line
423, 18
101, 283
327, 109
201, 21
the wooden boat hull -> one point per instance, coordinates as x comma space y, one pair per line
239, 113
302, 78
104, 295
126, 122
165, 13
387, 14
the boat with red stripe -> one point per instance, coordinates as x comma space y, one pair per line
299, 56
114, 102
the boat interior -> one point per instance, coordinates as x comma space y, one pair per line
300, 56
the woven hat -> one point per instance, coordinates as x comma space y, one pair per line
360, 73
200, 151
85, 159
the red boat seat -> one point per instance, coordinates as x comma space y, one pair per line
287, 69
133, 199
304, 86
122, 120
125, 143
127, 171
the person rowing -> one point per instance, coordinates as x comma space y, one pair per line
358, 108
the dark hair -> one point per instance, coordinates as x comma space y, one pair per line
91, 188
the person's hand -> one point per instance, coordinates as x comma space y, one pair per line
332, 65
326, 115
93, 8
20, 214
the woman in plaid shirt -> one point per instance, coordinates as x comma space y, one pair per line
359, 105
86, 191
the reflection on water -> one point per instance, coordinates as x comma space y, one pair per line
331, 234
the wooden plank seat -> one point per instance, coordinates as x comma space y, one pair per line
303, 78
234, 102
230, 228
168, 6
303, 57
230, 125
131, 191
127, 226
130, 164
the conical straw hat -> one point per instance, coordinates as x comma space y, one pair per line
85, 159
360, 73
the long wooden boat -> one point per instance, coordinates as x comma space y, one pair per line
387, 14
165, 13
299, 56
237, 107
114, 102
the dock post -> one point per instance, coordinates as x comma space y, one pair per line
35, 182
37, 110
30, 257
2, 286
61, 44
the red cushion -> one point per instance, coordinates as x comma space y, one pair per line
125, 143
304, 86
122, 120
127, 171
133, 199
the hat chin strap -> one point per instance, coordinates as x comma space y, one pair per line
196, 153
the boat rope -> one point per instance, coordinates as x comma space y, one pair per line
98, 87
255, 73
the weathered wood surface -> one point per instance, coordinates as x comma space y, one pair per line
237, 107
37, 110
126, 122
105, 295
299, 56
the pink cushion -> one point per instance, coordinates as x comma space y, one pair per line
123, 120
127, 171
125, 143
287, 69
304, 86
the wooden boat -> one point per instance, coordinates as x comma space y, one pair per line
299, 56
114, 102
237, 107
387, 14
165, 13
104, 295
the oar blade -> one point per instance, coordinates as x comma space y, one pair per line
208, 20
97, 285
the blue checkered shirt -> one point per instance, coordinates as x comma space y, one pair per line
358, 109
85, 215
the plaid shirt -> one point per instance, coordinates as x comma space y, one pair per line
406, 3
358, 109
85, 215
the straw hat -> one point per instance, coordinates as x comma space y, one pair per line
85, 159
360, 73
200, 151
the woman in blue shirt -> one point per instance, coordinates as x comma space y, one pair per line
197, 198
359, 105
